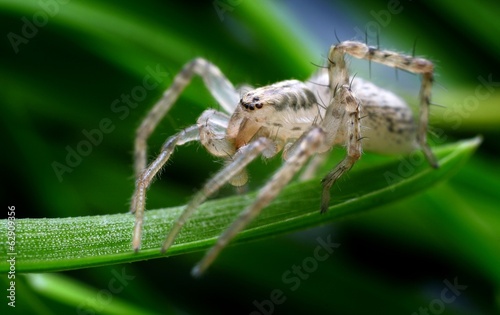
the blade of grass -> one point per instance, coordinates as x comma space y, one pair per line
71, 292
78, 242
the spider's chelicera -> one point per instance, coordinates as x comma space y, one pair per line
301, 119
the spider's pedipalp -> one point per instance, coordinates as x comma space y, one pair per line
213, 125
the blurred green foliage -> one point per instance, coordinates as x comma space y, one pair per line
63, 78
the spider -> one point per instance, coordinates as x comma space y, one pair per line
301, 119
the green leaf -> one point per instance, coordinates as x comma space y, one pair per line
80, 242
71, 292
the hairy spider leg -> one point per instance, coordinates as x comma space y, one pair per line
306, 146
350, 118
400, 61
215, 81
138, 203
209, 131
238, 162
338, 76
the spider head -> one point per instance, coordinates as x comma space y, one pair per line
280, 109
252, 115
268, 96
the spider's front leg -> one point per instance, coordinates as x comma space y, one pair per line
217, 84
236, 165
298, 154
144, 180
210, 129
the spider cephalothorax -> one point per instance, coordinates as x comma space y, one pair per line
285, 110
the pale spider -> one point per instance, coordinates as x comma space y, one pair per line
301, 119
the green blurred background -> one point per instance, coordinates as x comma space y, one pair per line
61, 77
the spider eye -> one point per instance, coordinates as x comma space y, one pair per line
259, 105
246, 105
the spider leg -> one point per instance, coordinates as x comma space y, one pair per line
299, 153
404, 62
239, 161
425, 101
350, 117
147, 175
210, 131
217, 84
312, 167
